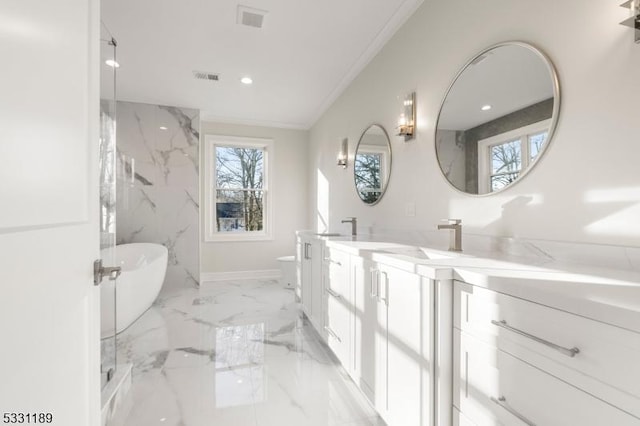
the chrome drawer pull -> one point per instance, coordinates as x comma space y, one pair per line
373, 284
333, 293
502, 401
332, 333
335, 262
568, 352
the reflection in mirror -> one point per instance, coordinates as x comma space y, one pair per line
372, 164
497, 118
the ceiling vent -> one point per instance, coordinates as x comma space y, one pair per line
250, 17
201, 75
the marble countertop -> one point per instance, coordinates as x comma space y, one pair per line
609, 295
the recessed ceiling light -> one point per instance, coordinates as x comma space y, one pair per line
486, 107
246, 80
163, 128
112, 63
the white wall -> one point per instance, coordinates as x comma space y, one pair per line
585, 189
289, 191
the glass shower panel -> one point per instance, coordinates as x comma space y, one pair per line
108, 66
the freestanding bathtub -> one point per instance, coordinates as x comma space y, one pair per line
143, 269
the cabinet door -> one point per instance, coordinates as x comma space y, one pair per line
317, 285
299, 260
365, 328
408, 347
306, 274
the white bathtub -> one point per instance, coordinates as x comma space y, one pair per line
143, 269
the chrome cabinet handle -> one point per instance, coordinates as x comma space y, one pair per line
335, 262
568, 352
333, 293
386, 288
502, 402
374, 279
306, 250
332, 333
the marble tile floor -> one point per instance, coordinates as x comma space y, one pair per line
234, 353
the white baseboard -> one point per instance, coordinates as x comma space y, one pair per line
267, 274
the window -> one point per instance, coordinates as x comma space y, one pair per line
237, 176
368, 167
503, 158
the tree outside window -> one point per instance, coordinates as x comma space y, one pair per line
236, 173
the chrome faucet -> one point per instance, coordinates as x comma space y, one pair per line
455, 225
354, 225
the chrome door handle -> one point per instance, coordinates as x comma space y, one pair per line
333, 293
332, 333
568, 352
99, 272
502, 402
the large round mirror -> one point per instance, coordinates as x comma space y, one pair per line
372, 164
497, 118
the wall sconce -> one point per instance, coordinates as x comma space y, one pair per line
343, 154
634, 20
407, 120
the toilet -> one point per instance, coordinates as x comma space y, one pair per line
288, 269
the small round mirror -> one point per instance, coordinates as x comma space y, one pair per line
372, 164
497, 118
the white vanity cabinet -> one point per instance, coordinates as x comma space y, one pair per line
392, 341
520, 362
311, 285
367, 332
339, 304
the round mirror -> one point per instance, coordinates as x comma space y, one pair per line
497, 118
372, 164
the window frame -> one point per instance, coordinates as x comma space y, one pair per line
210, 188
522, 133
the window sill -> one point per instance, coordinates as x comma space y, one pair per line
220, 238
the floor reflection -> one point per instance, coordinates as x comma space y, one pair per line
234, 353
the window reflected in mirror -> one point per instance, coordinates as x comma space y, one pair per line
497, 118
372, 164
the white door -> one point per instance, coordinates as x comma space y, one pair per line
49, 309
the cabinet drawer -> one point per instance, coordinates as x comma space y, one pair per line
492, 387
337, 327
604, 363
338, 264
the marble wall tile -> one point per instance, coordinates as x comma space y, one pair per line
158, 184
